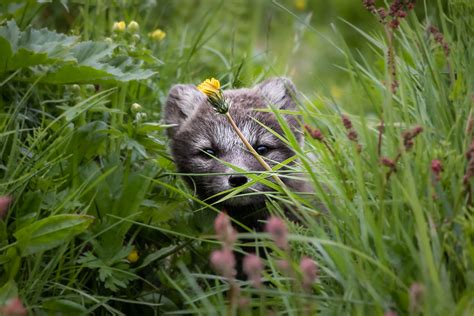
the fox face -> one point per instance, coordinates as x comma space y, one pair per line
204, 144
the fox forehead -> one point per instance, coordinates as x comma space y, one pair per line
215, 132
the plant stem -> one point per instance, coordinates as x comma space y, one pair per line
254, 153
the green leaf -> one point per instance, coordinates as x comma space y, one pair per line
50, 232
64, 307
67, 61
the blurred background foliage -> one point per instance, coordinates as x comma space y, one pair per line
243, 40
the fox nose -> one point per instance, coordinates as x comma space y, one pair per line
237, 180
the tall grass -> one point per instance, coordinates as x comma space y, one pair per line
389, 221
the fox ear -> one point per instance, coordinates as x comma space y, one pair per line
182, 102
280, 92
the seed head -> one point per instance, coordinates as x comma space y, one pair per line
387, 162
223, 261
5, 202
224, 230
253, 267
436, 168
416, 294
309, 269
346, 121
276, 227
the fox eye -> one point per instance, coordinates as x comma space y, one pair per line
208, 151
262, 149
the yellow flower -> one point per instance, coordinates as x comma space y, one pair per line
157, 35
210, 87
119, 26
133, 256
300, 4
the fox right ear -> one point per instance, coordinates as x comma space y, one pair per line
182, 101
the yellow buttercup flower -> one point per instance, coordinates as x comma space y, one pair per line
212, 89
119, 26
209, 86
133, 256
157, 35
300, 4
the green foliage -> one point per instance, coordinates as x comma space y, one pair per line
69, 61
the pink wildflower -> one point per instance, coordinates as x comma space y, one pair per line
309, 270
276, 227
253, 267
223, 262
4, 204
13, 307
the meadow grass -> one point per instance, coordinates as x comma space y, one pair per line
101, 222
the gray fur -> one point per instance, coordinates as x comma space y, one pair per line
199, 127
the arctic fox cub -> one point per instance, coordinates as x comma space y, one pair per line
202, 139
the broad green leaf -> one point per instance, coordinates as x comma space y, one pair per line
64, 307
66, 60
50, 232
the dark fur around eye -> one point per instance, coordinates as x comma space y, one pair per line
207, 152
262, 149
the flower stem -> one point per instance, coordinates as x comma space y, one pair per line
253, 152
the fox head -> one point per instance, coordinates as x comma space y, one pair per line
204, 144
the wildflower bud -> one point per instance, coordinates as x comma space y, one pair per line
133, 27
315, 133
224, 230
13, 307
140, 116
284, 266
223, 261
276, 227
135, 108
90, 88
108, 40
309, 269
416, 131
347, 122
76, 89
352, 135
135, 38
119, 27
394, 23
253, 267
416, 294
133, 256
436, 168
157, 35
387, 162
4, 204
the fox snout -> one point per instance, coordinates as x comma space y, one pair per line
237, 180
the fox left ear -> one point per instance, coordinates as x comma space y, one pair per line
279, 92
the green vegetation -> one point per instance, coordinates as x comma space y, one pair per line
100, 222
